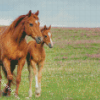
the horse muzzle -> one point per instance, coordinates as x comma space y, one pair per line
38, 40
50, 45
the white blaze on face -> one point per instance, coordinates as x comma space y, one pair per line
49, 34
50, 38
36, 21
36, 80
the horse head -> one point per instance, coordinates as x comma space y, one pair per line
31, 26
47, 36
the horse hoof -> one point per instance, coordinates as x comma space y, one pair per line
37, 95
27, 98
38, 92
16, 96
30, 93
4, 94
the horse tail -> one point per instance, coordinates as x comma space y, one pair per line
5, 74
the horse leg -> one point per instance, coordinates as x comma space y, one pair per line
12, 69
35, 73
7, 89
30, 81
21, 63
38, 89
0, 81
7, 64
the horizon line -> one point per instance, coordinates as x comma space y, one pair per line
59, 27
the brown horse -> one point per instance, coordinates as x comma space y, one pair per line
2, 28
36, 55
13, 46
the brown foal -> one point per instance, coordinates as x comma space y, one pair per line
36, 55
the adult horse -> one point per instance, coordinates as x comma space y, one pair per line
2, 28
13, 46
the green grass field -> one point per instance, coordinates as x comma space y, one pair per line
72, 67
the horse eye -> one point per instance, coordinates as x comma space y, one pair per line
31, 24
45, 36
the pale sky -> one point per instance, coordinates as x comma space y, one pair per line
62, 13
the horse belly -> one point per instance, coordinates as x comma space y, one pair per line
18, 55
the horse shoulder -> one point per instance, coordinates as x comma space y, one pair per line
43, 53
22, 48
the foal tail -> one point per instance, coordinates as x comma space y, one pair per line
5, 74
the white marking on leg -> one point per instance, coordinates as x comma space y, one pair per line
36, 80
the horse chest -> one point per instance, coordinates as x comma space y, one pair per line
18, 54
38, 56
14, 53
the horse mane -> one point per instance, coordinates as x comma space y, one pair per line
16, 22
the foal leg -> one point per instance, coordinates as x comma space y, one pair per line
30, 81
0, 81
21, 63
7, 64
38, 89
35, 73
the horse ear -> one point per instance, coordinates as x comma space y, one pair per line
37, 13
49, 27
29, 13
45, 27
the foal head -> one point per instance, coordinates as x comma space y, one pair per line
31, 26
47, 36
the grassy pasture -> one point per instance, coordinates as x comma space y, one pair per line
72, 67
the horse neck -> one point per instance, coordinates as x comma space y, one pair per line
39, 46
19, 34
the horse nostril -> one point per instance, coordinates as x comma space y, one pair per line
39, 38
50, 46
